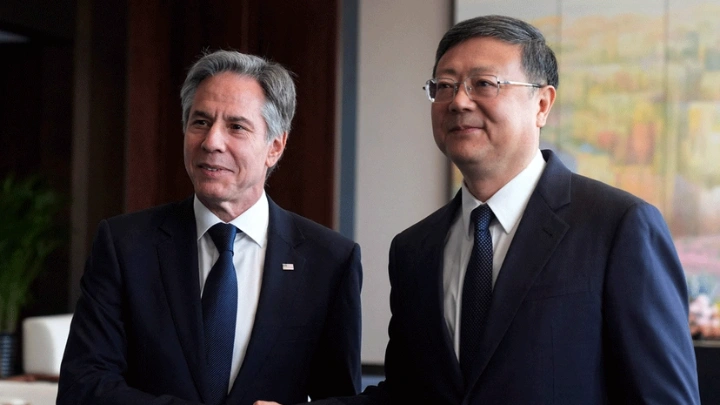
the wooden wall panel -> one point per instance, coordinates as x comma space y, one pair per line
99, 125
148, 109
304, 38
107, 114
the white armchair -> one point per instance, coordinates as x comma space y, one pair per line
44, 339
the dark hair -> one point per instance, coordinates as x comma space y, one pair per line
274, 79
538, 60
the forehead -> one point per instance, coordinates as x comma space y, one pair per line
480, 55
229, 88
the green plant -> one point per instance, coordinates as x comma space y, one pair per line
28, 235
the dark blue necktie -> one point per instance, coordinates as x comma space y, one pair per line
477, 289
219, 302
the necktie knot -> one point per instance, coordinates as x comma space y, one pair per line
481, 217
223, 235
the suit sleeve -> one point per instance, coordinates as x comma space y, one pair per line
336, 367
95, 354
652, 359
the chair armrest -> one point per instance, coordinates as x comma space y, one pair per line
44, 339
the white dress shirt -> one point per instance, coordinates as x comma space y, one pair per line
249, 258
508, 204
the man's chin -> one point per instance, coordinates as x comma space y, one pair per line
210, 195
462, 158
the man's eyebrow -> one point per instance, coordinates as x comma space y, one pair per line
230, 118
239, 120
200, 114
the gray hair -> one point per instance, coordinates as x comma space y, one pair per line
275, 80
538, 60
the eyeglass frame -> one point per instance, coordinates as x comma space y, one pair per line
456, 86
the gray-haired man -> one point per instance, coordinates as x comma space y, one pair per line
223, 298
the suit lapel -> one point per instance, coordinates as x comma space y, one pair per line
277, 294
177, 256
538, 235
429, 296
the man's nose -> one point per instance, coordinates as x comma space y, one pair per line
214, 138
462, 100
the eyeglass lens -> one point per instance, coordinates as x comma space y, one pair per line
441, 90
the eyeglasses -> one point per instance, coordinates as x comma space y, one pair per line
476, 87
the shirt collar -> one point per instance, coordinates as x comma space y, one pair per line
508, 203
253, 222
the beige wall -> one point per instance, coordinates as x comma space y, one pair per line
401, 176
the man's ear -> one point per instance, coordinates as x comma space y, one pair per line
546, 99
277, 147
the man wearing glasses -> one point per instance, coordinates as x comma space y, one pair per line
534, 285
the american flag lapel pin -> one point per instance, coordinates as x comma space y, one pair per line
288, 266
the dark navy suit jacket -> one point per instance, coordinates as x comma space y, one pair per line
590, 307
136, 336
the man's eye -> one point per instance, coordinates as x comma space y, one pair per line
482, 83
200, 123
445, 85
237, 127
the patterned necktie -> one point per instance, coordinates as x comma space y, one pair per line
477, 289
219, 303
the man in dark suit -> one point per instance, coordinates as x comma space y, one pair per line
223, 298
534, 285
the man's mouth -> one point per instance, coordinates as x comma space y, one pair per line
210, 168
460, 128
459, 125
